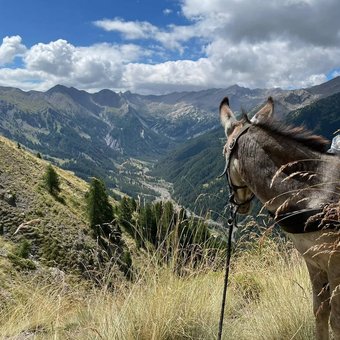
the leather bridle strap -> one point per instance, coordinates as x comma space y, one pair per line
226, 171
231, 148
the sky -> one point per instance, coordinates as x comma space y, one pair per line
162, 46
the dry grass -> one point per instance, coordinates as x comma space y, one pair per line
269, 298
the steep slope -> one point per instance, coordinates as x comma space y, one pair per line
326, 89
193, 169
323, 116
53, 230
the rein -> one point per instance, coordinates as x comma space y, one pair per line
231, 224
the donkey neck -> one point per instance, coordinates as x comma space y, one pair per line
264, 159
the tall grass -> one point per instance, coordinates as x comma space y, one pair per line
269, 298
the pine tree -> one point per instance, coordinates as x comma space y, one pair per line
158, 212
98, 206
51, 180
168, 218
148, 223
125, 211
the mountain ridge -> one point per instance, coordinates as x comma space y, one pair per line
99, 133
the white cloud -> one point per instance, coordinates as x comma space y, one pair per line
84, 64
281, 43
25, 79
94, 67
55, 58
171, 37
10, 48
129, 29
169, 76
312, 21
167, 11
275, 63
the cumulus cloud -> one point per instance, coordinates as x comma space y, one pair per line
171, 37
310, 21
10, 48
54, 58
288, 43
271, 63
172, 75
281, 43
82, 64
92, 68
26, 79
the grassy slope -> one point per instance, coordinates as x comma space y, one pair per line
269, 298
58, 235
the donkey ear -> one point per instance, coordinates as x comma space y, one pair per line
226, 115
266, 112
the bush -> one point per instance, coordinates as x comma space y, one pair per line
23, 249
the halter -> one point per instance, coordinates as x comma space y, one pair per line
232, 187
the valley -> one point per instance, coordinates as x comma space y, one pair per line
137, 142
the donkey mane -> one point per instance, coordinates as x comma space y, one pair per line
299, 134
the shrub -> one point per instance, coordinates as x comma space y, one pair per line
23, 249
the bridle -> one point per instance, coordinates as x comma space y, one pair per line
232, 187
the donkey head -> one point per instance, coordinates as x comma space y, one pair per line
242, 194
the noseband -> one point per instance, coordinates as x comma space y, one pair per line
232, 187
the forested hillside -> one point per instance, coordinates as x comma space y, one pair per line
194, 169
322, 117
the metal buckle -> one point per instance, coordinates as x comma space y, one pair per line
232, 144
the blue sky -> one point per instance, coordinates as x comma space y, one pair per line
150, 46
44, 21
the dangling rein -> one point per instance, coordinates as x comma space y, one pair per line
231, 224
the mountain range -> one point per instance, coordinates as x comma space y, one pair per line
120, 136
